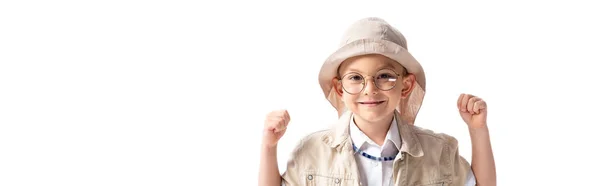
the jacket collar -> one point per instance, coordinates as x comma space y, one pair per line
340, 136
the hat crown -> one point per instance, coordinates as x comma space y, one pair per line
373, 28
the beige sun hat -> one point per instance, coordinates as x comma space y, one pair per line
374, 35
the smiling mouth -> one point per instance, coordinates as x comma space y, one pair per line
371, 102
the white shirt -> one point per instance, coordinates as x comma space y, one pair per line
379, 173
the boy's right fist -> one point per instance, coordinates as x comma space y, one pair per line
275, 126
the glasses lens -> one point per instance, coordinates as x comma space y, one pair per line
386, 79
353, 83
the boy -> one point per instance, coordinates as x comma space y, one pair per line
377, 88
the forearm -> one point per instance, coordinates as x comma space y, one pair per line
269, 171
482, 161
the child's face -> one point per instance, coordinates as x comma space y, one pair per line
372, 86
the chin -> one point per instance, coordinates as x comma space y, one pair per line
374, 116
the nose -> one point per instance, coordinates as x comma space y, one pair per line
370, 87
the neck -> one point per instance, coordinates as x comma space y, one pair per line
375, 130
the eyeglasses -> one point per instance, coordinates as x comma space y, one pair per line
384, 79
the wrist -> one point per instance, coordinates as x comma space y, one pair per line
478, 130
477, 126
482, 127
269, 147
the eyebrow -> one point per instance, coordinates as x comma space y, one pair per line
382, 67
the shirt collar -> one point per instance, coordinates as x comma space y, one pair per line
359, 138
338, 136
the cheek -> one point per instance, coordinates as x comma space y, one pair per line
398, 90
394, 96
398, 87
349, 100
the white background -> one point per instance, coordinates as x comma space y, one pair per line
175, 92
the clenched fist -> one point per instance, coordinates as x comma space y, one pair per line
473, 110
275, 126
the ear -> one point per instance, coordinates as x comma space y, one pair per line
408, 84
337, 86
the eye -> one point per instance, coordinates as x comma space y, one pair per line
385, 76
355, 78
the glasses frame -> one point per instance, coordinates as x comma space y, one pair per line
364, 83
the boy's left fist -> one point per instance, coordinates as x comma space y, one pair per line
473, 110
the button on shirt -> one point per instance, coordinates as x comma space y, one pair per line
379, 173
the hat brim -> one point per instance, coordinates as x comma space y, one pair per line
408, 107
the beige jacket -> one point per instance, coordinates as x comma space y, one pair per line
326, 158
